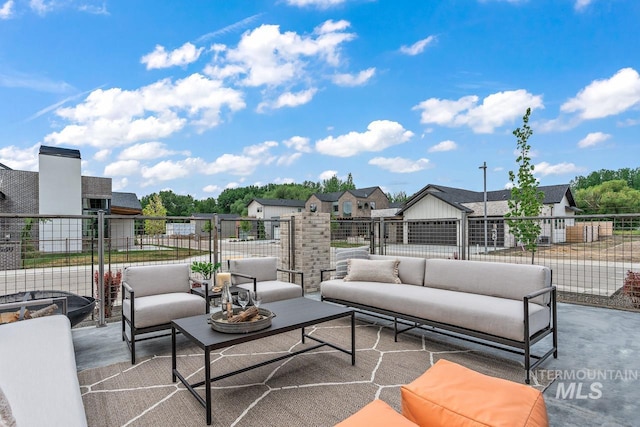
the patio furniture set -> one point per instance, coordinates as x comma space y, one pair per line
464, 298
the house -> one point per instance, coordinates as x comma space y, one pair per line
431, 215
272, 210
27, 192
122, 230
358, 203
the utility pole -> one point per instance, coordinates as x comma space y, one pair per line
484, 170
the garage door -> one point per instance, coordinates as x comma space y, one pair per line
433, 232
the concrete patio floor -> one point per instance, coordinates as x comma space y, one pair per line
597, 371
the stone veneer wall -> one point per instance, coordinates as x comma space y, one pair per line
311, 246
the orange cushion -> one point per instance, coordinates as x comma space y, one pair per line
451, 395
376, 414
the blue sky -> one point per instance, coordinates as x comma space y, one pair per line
198, 96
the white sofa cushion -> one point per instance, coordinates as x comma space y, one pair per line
38, 372
492, 315
263, 269
365, 270
504, 280
344, 254
410, 269
157, 279
160, 309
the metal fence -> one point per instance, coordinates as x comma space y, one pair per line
590, 256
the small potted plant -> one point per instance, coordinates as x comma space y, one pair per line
205, 269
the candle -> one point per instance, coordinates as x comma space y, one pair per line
221, 278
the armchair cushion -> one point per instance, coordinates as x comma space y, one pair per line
275, 290
157, 279
154, 310
263, 269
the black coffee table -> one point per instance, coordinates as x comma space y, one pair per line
291, 314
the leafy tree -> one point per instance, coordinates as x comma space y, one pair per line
154, 208
526, 199
610, 197
334, 184
630, 176
397, 197
207, 205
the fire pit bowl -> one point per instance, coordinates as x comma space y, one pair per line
78, 307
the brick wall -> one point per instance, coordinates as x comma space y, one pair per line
311, 243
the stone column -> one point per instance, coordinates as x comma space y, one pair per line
308, 242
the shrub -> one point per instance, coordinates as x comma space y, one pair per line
111, 288
631, 287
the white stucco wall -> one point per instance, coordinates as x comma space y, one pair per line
60, 193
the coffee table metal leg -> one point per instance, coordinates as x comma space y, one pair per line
302, 335
173, 354
353, 338
207, 384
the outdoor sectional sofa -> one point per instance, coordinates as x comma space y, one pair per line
506, 306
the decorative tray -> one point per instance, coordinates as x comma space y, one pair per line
219, 322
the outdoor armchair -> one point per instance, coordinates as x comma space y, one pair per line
154, 295
260, 274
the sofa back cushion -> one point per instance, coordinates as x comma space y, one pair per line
367, 270
262, 268
344, 254
157, 279
504, 280
410, 269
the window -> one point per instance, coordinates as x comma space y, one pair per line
313, 207
372, 204
346, 208
336, 209
259, 209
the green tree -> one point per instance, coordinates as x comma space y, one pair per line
630, 176
526, 199
397, 197
610, 197
207, 205
156, 209
334, 184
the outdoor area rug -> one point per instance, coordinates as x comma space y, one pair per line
319, 388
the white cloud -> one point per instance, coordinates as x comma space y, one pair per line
122, 168
260, 150
298, 143
580, 5
160, 58
399, 164
289, 99
265, 56
496, 110
147, 150
593, 139
288, 159
284, 181
6, 11
321, 4
20, 158
447, 145
234, 165
212, 188
41, 7
602, 98
418, 47
328, 174
119, 184
116, 117
354, 80
102, 155
168, 170
380, 134
544, 169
